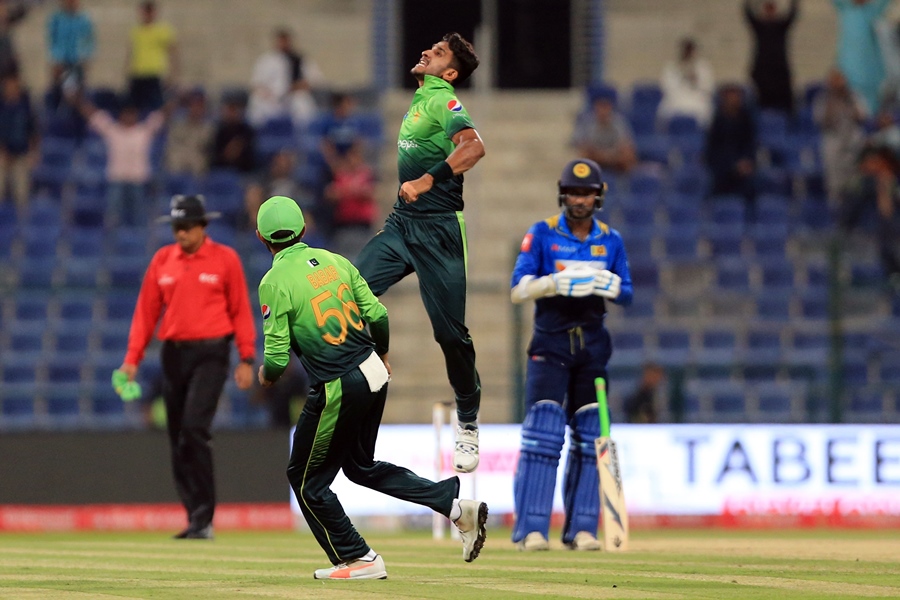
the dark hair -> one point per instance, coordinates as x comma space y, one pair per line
464, 59
148, 5
279, 246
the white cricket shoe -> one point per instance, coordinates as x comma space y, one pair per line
465, 455
533, 542
471, 525
356, 569
584, 541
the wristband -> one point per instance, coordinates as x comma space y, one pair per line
441, 171
249, 361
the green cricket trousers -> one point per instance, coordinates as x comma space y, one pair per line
337, 430
434, 246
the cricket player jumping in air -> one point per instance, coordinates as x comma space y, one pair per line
316, 303
426, 232
571, 264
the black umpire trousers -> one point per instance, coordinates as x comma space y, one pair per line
194, 374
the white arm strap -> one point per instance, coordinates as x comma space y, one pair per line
530, 288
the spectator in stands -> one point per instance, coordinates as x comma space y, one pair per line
189, 138
351, 195
234, 140
279, 180
731, 147
641, 405
152, 56
858, 53
771, 71
887, 32
281, 83
840, 113
339, 130
687, 85
876, 186
604, 136
10, 14
129, 140
18, 141
70, 41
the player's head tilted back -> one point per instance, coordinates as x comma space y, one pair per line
452, 59
280, 223
581, 188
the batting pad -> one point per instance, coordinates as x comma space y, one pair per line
543, 435
581, 495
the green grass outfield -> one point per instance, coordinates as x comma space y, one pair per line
662, 564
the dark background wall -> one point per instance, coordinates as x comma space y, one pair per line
129, 467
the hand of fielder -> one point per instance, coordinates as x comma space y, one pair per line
577, 281
607, 284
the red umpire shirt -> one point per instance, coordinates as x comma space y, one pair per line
204, 295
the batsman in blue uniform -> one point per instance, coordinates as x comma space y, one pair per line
571, 264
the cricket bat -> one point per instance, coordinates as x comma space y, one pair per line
612, 496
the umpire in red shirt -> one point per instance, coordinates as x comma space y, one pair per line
201, 286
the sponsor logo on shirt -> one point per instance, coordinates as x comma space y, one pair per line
208, 278
598, 250
558, 248
454, 106
166, 280
266, 311
526, 243
406, 144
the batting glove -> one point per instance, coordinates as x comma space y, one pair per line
576, 282
607, 284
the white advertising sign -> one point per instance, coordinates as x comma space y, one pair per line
678, 469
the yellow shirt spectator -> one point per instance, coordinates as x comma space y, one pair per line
150, 47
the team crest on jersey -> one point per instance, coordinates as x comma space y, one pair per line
312, 262
454, 106
526, 242
266, 311
598, 250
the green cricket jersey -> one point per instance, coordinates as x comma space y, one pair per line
426, 138
316, 303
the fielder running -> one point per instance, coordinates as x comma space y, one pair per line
316, 303
426, 232
571, 264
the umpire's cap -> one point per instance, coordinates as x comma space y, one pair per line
280, 220
581, 173
188, 209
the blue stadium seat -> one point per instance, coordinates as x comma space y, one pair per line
39, 242
808, 348
774, 400
79, 273
628, 349
63, 405
678, 125
72, 340
638, 214
31, 306
763, 346
729, 402
727, 210
653, 148
181, 183
126, 272
724, 244
855, 372
76, 308
774, 180
867, 401
8, 215
673, 348
644, 275
645, 184
129, 243
814, 305
18, 407
867, 275
777, 276
733, 274
19, 368
36, 273
690, 181
681, 215
642, 307
25, 336
64, 370
220, 182
43, 212
772, 305
119, 305
679, 247
113, 339
717, 347
646, 95
106, 404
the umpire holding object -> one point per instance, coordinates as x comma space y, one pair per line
201, 286
571, 264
